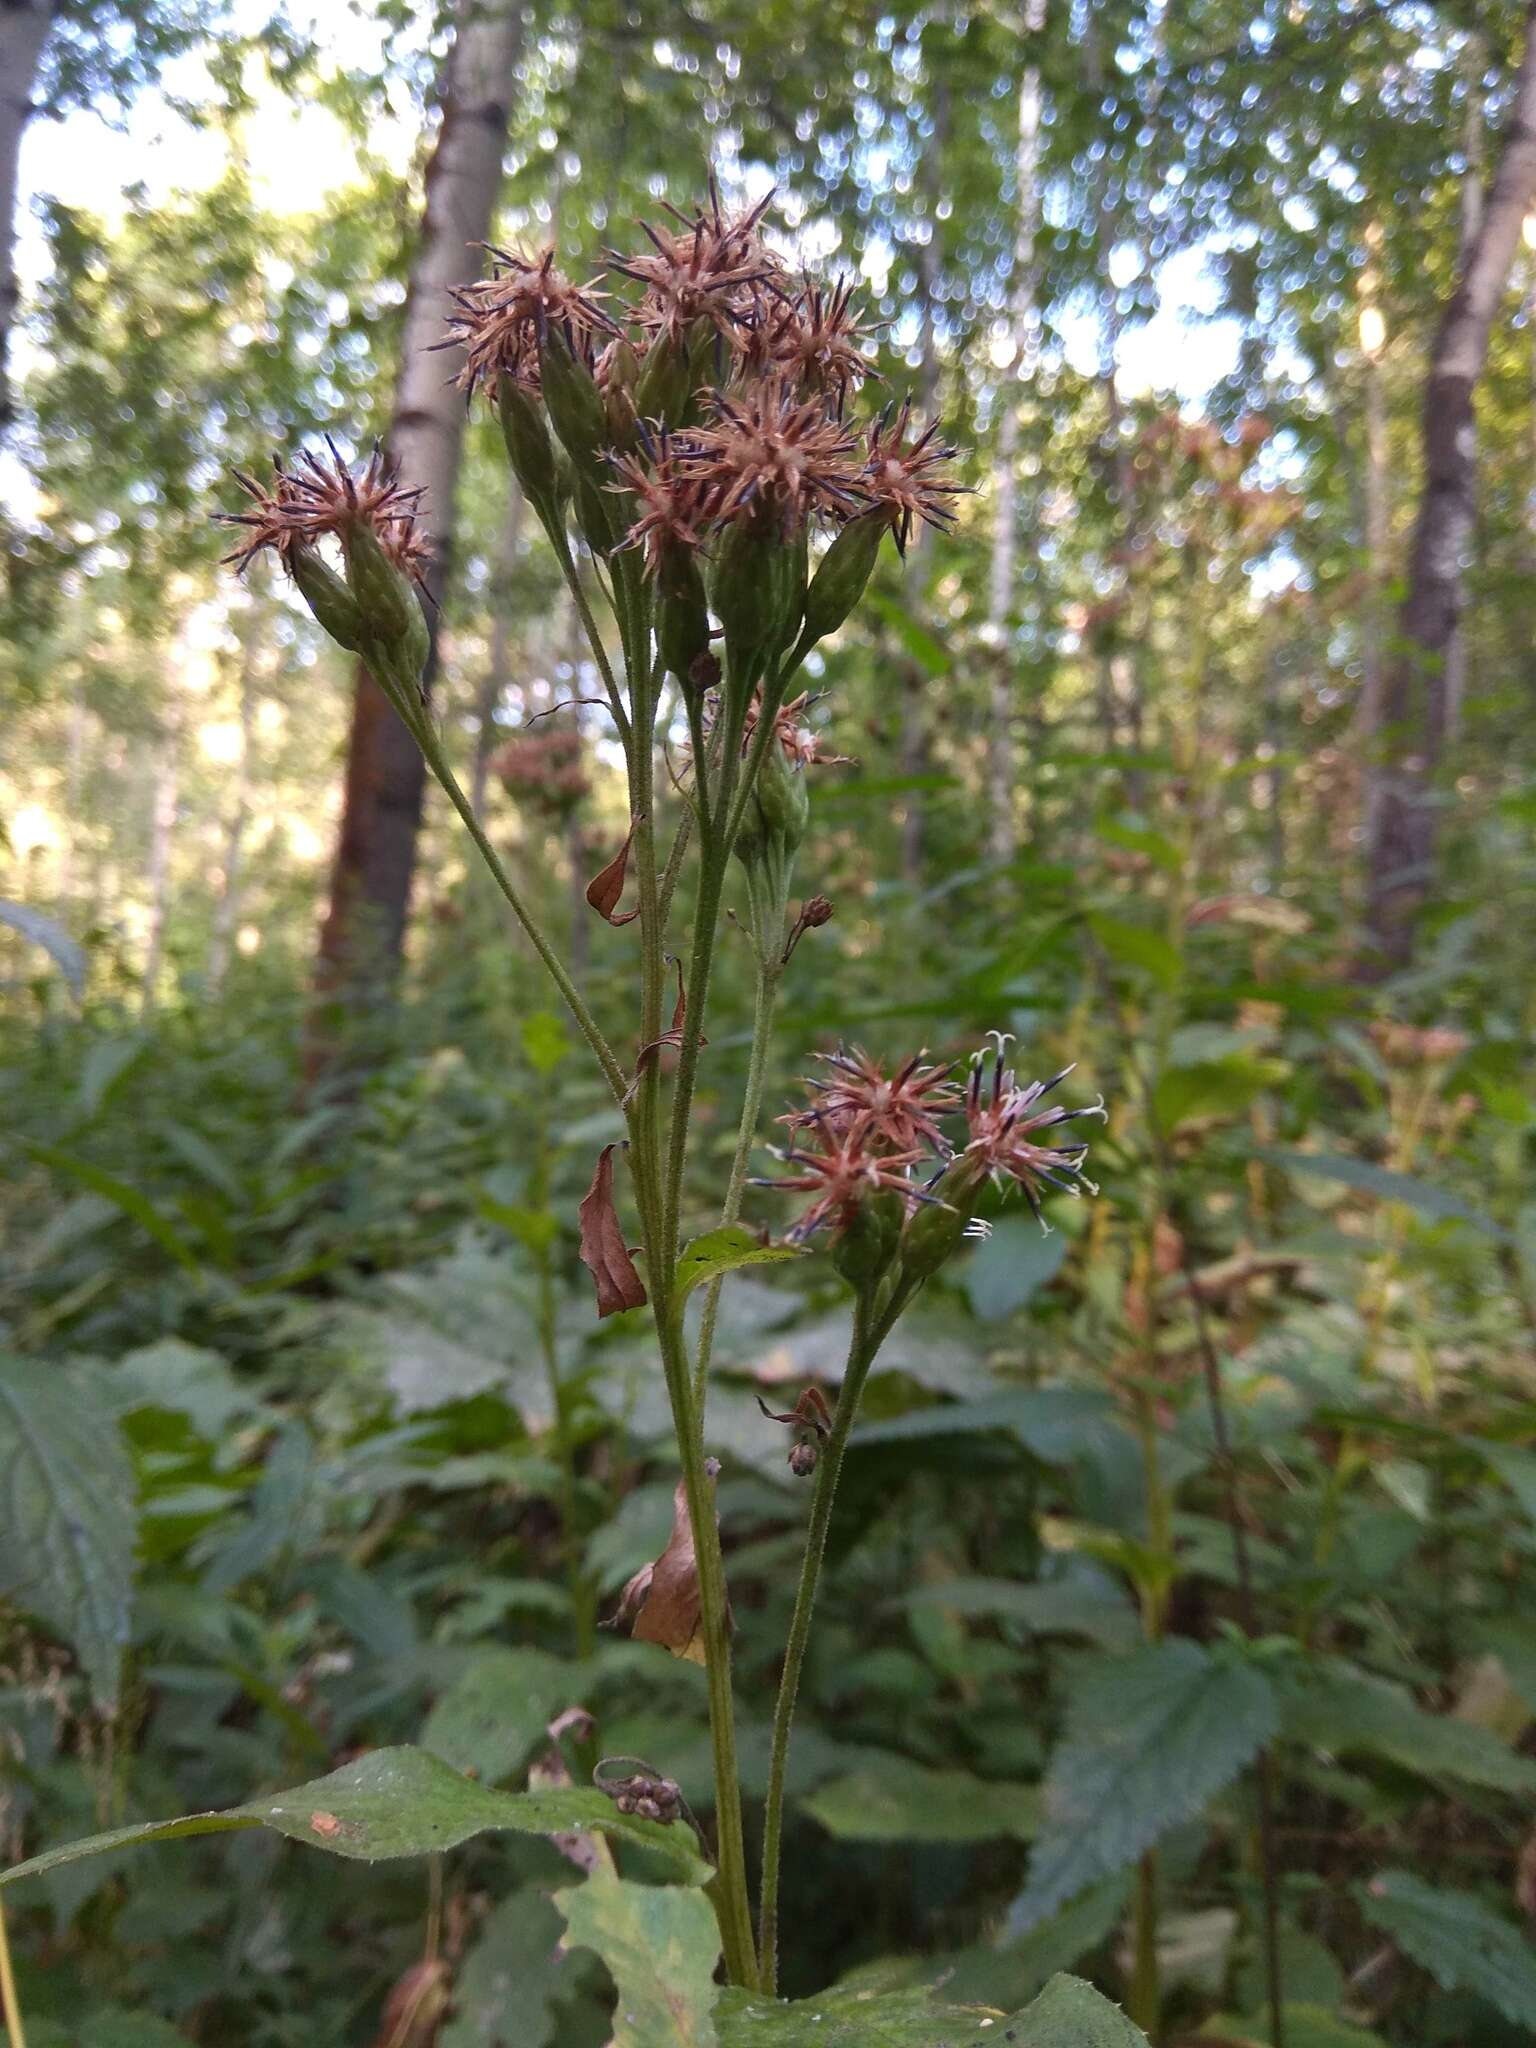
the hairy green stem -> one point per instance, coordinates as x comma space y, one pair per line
586, 1023
765, 1002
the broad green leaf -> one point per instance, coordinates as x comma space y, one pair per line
1439, 1204
185, 1378
722, 1251
1150, 1740
394, 1802
133, 1202
52, 937
494, 1712
1067, 1607
1463, 1945
1133, 945
504, 1990
1067, 2014
1331, 1706
109, 2027
660, 1944
906, 1802
1214, 1088
1014, 1263
1071, 2014
67, 1512
1516, 1468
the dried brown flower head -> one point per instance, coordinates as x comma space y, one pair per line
1003, 1118
672, 503
711, 267
773, 457
499, 320
814, 341
314, 498
801, 744
907, 480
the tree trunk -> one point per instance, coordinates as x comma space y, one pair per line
1023, 318
1402, 846
364, 930
24, 26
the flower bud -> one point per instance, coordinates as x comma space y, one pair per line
843, 573
782, 800
665, 383
757, 588
936, 1231
394, 628
618, 393
334, 607
861, 1251
682, 616
575, 406
529, 450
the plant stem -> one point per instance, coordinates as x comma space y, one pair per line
586, 1023
10, 2005
765, 1002
861, 1356
1144, 2003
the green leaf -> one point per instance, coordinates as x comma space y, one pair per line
722, 1251
1015, 1262
1071, 2014
1067, 2014
109, 2027
394, 1802
906, 1802
67, 1520
54, 940
1463, 1945
1516, 1468
504, 1991
1132, 945
498, 1707
933, 659
1066, 1607
1213, 1088
660, 1944
546, 1042
1306, 2026
131, 1200
1439, 1204
1150, 1740
1331, 1706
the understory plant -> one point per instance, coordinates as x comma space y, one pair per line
688, 435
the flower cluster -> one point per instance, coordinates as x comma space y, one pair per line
546, 770
869, 1132
725, 384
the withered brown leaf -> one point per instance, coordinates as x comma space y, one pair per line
663, 1598
606, 887
603, 1250
672, 1036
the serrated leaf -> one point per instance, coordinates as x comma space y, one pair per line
721, 1251
394, 1802
1014, 1263
1071, 2014
1455, 1937
906, 1802
52, 937
498, 1707
67, 1514
1150, 1739
660, 1944
1331, 1706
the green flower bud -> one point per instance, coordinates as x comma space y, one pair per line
618, 393
842, 575
757, 588
393, 623
781, 798
665, 383
333, 605
597, 514
861, 1251
682, 616
529, 449
575, 406
936, 1231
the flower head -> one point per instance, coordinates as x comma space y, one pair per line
843, 1170
1005, 1122
672, 503
800, 743
774, 457
814, 341
314, 498
899, 1112
907, 480
711, 267
499, 320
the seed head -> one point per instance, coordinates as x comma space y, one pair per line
710, 267
908, 480
814, 342
499, 320
774, 459
314, 498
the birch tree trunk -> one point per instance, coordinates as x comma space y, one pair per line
1016, 380
24, 26
1402, 847
364, 930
